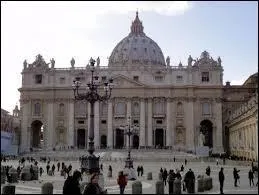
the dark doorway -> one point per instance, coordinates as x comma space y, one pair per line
135, 141
81, 138
159, 137
103, 141
37, 134
206, 129
119, 138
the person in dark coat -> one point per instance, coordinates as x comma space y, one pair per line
174, 158
41, 171
182, 168
48, 167
164, 176
221, 180
32, 172
58, 165
101, 167
189, 180
236, 176
122, 182
71, 185
53, 169
208, 171
171, 178
141, 171
251, 177
93, 187
138, 170
185, 161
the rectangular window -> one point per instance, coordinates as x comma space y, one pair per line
103, 121
81, 122
62, 80
135, 121
205, 77
159, 122
159, 78
135, 78
38, 78
179, 78
206, 108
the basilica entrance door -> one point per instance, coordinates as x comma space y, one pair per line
103, 141
119, 138
81, 138
159, 137
206, 129
36, 133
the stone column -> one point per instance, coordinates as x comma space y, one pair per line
219, 132
25, 140
96, 125
110, 133
150, 120
71, 130
169, 123
88, 123
189, 135
50, 126
142, 123
128, 121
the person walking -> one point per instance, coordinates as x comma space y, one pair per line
164, 176
189, 180
208, 171
236, 176
122, 182
41, 171
221, 180
182, 168
174, 158
251, 177
141, 170
185, 162
53, 169
138, 170
93, 187
71, 185
58, 165
48, 167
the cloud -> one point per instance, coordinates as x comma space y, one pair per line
238, 82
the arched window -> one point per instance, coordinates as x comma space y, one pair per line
179, 108
61, 109
37, 109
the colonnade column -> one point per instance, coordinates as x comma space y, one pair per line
150, 120
25, 127
110, 133
96, 125
168, 123
142, 123
50, 127
71, 130
218, 113
189, 135
127, 118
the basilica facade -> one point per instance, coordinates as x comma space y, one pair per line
164, 105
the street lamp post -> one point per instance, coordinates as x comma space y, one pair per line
129, 161
90, 163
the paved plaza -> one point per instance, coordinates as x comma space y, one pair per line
154, 166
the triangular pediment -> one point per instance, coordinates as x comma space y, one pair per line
124, 81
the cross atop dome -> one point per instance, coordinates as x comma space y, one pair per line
136, 26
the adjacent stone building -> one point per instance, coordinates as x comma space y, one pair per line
242, 123
168, 105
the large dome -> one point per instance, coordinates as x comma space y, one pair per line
136, 49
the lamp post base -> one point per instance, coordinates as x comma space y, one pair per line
90, 164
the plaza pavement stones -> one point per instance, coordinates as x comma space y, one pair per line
148, 186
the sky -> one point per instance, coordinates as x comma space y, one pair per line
62, 30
